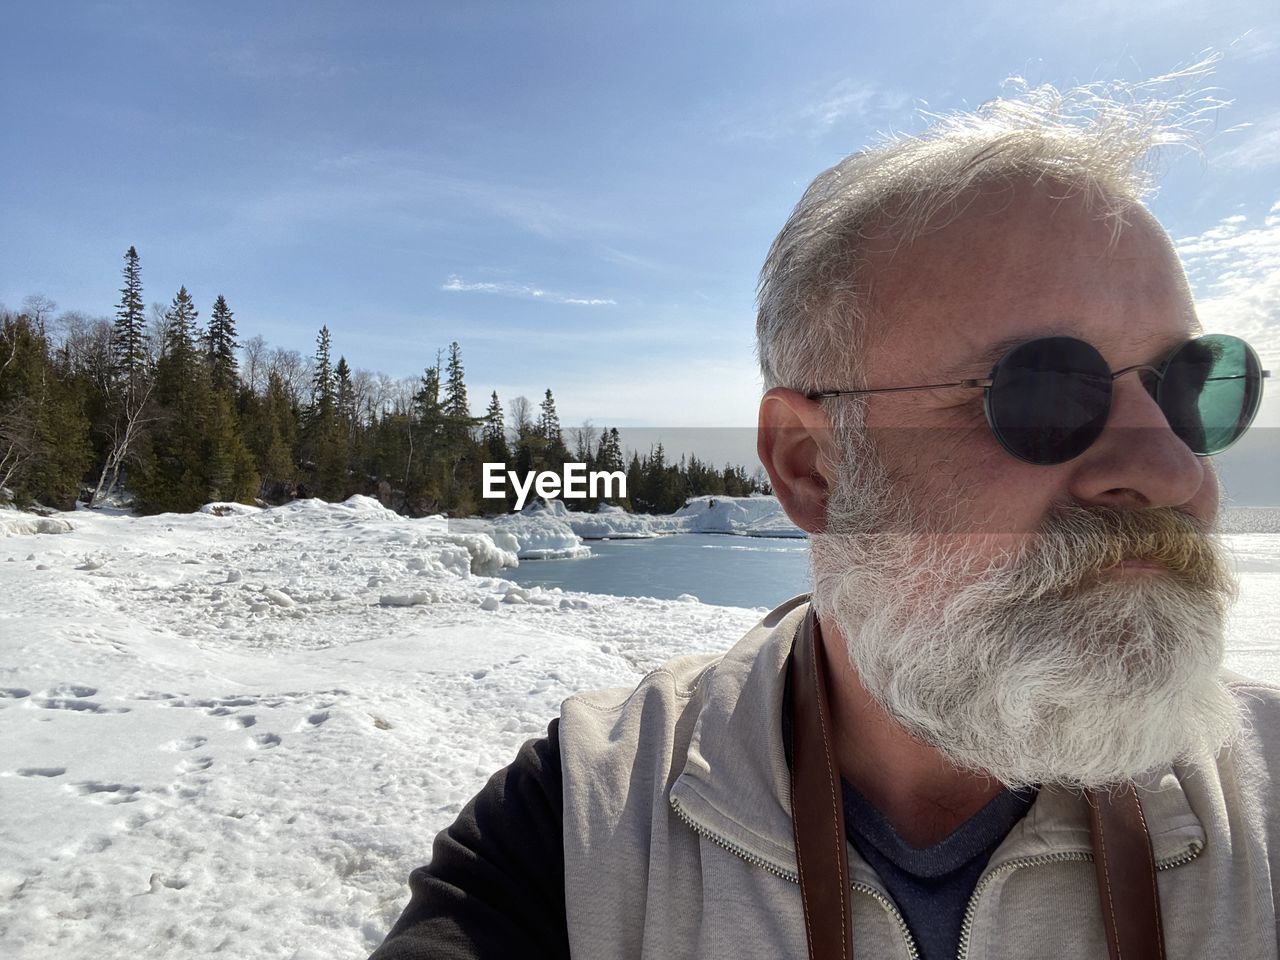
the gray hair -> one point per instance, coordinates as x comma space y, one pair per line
1097, 142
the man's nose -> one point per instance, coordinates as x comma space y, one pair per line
1138, 462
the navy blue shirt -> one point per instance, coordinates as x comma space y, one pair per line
931, 885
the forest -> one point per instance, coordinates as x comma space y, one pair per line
167, 413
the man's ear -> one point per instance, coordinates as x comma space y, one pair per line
795, 443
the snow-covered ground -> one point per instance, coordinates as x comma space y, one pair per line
547, 530
236, 732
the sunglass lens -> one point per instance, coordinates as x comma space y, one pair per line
1049, 399
1210, 391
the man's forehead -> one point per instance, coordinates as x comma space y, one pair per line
959, 299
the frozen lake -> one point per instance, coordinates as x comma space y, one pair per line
726, 570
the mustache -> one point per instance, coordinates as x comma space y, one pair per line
1076, 546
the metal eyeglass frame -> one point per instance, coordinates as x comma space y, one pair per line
985, 383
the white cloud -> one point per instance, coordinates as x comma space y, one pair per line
1254, 45
814, 112
456, 284
1234, 268
1260, 149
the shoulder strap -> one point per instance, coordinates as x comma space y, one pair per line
1126, 869
817, 807
1121, 844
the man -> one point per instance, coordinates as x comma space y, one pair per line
989, 403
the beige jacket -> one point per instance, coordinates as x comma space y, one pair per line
678, 833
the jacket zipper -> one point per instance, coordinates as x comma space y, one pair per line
793, 877
966, 928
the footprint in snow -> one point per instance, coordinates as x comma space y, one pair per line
242, 722
195, 764
104, 792
13, 693
76, 690
41, 771
77, 706
186, 743
264, 741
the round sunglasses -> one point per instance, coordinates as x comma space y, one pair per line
1048, 400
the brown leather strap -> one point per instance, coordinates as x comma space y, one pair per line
1122, 852
817, 804
1126, 871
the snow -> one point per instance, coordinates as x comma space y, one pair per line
743, 516
545, 530
237, 732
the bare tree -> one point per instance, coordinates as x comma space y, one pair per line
40, 309
582, 438
86, 346
254, 366
157, 332
294, 372
383, 392
401, 394
362, 388
521, 419
126, 427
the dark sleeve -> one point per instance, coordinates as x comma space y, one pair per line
495, 884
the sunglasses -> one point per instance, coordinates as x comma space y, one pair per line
1048, 400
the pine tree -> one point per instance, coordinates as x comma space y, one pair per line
494, 435
456, 407
344, 392
609, 452
272, 425
129, 341
549, 420
322, 387
180, 344
426, 402
44, 434
222, 346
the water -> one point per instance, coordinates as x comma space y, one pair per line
724, 570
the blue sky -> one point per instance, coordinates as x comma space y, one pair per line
579, 193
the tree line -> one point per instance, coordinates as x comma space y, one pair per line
177, 413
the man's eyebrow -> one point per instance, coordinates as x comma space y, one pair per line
979, 365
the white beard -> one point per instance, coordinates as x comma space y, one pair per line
1035, 667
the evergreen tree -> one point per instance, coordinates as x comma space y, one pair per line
44, 434
426, 401
272, 436
494, 435
554, 453
549, 421
322, 387
609, 452
179, 348
326, 444
456, 407
222, 346
344, 393
227, 467
129, 341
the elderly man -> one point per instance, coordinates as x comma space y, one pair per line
1000, 728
